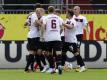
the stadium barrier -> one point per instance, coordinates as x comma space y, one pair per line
26, 8
13, 54
13, 41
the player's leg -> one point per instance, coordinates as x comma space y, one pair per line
79, 39
38, 59
63, 52
44, 51
30, 57
55, 65
50, 57
38, 54
78, 57
45, 65
58, 47
35, 47
42, 46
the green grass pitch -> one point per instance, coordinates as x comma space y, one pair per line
19, 74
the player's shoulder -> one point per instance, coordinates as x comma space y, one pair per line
66, 20
34, 14
82, 16
43, 17
72, 19
47, 16
52, 16
29, 15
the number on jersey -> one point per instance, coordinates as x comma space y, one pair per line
53, 24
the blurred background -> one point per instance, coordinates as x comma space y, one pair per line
24, 6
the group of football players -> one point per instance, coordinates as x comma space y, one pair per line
50, 37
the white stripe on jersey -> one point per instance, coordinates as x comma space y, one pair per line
81, 23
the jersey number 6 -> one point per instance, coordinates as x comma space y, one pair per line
53, 22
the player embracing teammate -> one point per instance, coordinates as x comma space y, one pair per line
49, 30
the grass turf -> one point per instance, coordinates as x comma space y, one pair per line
90, 74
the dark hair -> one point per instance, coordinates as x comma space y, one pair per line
70, 12
51, 9
38, 5
58, 11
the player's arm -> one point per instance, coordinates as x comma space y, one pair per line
61, 24
69, 26
62, 29
86, 24
43, 27
42, 32
26, 23
87, 28
30, 14
28, 20
38, 22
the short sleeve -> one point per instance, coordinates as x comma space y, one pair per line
85, 21
34, 17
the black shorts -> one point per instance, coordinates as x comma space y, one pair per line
43, 46
72, 47
33, 43
54, 45
79, 39
63, 41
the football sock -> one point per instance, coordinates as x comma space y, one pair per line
51, 61
30, 59
80, 60
63, 59
42, 58
38, 61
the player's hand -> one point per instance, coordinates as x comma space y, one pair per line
37, 22
88, 32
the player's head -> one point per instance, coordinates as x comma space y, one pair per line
76, 10
70, 13
38, 5
51, 9
42, 11
58, 12
39, 12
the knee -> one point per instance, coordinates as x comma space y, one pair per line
76, 54
39, 52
